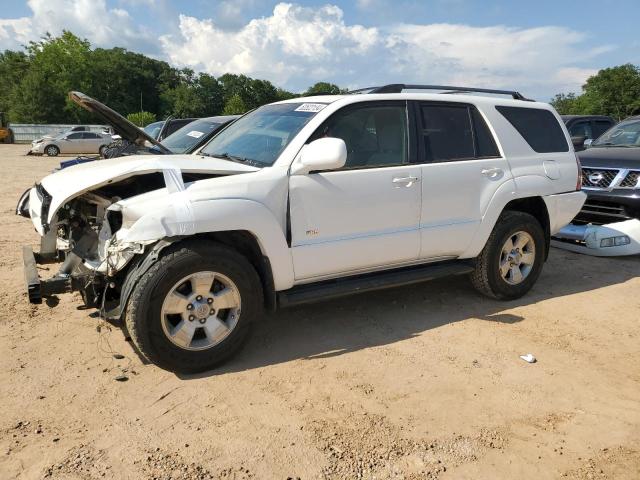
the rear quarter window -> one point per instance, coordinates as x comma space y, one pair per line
538, 127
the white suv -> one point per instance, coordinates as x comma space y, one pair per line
303, 200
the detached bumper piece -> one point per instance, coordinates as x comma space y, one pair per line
38, 289
610, 240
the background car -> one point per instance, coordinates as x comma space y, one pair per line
609, 222
162, 129
195, 134
131, 140
586, 127
74, 142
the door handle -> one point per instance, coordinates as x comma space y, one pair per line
492, 172
406, 181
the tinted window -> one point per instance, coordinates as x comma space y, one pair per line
538, 127
599, 127
446, 132
581, 129
485, 144
89, 135
190, 135
375, 135
74, 136
175, 125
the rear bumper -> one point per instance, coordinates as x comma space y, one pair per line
610, 240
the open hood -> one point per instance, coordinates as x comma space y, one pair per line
121, 125
71, 182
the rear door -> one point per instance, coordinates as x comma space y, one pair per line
73, 143
461, 169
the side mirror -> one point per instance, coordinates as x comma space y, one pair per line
321, 154
578, 141
587, 143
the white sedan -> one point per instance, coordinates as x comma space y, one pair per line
74, 142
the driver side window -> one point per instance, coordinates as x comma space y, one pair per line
375, 135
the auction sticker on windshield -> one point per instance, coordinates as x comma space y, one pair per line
195, 134
310, 107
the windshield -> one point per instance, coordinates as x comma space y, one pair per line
625, 134
260, 136
153, 129
185, 138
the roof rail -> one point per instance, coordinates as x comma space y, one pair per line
399, 87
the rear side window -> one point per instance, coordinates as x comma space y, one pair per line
454, 132
538, 127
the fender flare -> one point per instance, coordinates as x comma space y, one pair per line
507, 192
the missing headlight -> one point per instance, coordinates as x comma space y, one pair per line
114, 217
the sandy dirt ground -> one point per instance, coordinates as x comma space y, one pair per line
410, 383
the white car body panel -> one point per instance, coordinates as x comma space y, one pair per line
348, 220
68, 183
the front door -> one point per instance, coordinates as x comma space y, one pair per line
461, 169
366, 215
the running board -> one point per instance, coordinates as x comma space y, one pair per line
314, 292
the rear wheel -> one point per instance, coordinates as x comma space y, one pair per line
102, 150
194, 307
52, 150
512, 259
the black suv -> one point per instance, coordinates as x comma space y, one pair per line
586, 127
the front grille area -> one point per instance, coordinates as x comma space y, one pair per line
631, 180
598, 177
600, 213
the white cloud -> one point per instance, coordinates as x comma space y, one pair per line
297, 46
90, 19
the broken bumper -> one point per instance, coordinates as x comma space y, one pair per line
38, 289
610, 240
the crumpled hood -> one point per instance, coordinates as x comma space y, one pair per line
71, 182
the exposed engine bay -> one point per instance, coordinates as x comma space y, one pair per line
83, 236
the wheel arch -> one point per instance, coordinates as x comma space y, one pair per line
536, 207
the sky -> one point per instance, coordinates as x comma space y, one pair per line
538, 47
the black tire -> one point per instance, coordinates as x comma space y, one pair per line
143, 315
486, 277
102, 150
51, 150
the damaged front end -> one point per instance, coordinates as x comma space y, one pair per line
88, 219
82, 239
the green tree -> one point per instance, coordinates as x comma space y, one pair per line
566, 104
141, 119
56, 66
612, 91
235, 106
323, 88
13, 66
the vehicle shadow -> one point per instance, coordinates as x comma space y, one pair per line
374, 319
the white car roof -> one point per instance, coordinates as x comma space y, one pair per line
438, 97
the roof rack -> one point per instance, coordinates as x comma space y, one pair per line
399, 87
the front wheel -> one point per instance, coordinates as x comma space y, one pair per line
52, 150
193, 308
512, 258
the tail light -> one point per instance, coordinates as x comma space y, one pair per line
579, 182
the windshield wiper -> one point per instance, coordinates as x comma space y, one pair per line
233, 158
